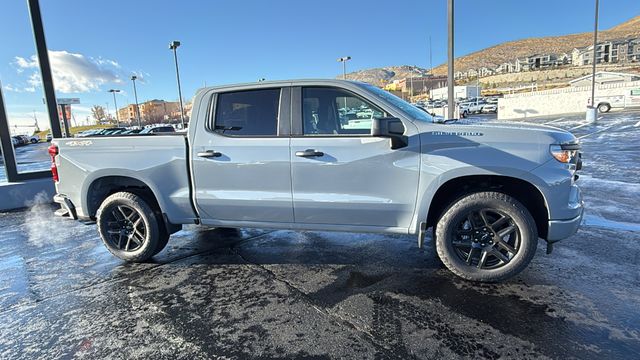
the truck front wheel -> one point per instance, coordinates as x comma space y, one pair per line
129, 227
486, 236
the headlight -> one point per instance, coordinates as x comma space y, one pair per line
563, 154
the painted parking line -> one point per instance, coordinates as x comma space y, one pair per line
553, 121
601, 130
579, 126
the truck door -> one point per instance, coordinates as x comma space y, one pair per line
341, 174
240, 157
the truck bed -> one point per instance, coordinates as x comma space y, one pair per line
159, 161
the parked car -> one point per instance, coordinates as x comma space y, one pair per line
19, 140
475, 107
34, 139
15, 141
490, 108
254, 158
157, 129
49, 137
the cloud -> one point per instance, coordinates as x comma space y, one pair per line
9, 87
72, 72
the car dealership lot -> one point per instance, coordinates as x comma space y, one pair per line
283, 294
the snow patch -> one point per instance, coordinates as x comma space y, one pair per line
598, 221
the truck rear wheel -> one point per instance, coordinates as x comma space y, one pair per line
129, 227
604, 108
486, 237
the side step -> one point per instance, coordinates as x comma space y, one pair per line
62, 212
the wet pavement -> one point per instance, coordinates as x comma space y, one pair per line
216, 293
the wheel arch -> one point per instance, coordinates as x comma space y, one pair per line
523, 191
100, 188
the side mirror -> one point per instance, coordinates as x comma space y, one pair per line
392, 128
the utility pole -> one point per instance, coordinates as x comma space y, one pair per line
344, 60
430, 57
135, 94
115, 103
174, 46
451, 58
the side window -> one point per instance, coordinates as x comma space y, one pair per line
331, 111
248, 113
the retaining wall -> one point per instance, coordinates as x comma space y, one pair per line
557, 101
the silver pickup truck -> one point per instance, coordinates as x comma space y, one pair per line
329, 155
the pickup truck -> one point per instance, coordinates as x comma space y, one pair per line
279, 155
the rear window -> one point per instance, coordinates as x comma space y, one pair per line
248, 113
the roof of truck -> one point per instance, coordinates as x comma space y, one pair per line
259, 84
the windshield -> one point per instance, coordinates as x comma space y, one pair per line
409, 109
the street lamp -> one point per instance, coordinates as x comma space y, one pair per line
174, 46
344, 60
592, 111
135, 94
114, 91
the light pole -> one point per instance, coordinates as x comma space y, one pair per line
411, 80
135, 94
450, 59
344, 60
115, 103
592, 112
174, 46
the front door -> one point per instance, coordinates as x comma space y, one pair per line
341, 174
241, 163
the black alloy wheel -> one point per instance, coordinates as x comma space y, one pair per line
486, 239
486, 236
125, 228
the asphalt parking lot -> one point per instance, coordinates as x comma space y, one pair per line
215, 293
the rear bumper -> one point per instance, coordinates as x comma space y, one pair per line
67, 207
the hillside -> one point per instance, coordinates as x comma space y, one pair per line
381, 76
509, 51
498, 54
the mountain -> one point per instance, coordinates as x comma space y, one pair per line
509, 51
505, 52
381, 76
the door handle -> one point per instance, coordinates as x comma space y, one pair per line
309, 153
209, 154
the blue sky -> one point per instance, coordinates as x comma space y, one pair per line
97, 45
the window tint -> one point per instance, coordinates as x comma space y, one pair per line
330, 111
248, 113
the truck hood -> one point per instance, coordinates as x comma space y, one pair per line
497, 141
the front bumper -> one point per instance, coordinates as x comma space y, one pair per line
562, 229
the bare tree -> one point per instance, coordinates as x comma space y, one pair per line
98, 113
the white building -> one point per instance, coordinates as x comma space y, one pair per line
461, 92
605, 77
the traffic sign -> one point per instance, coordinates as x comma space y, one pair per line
68, 101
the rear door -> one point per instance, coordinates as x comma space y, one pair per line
341, 174
240, 159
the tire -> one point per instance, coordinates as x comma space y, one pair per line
604, 108
34, 141
129, 227
162, 241
472, 226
